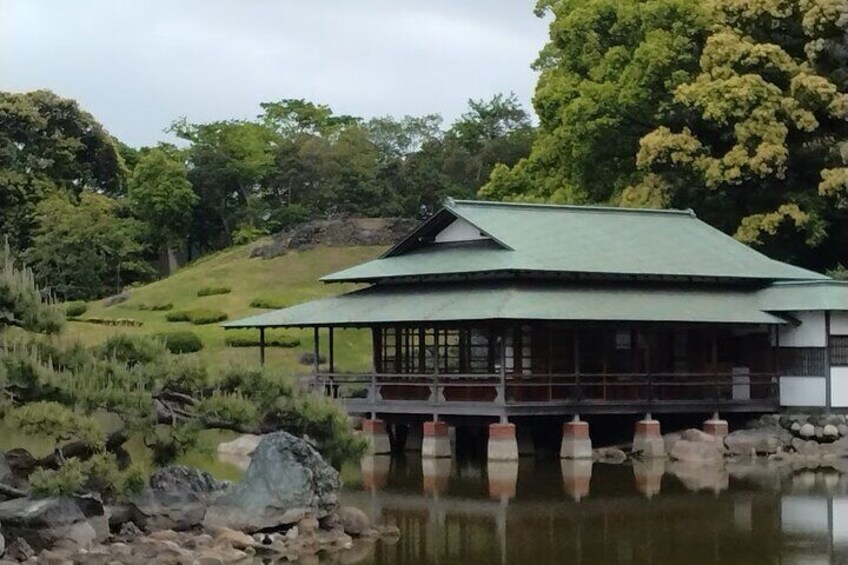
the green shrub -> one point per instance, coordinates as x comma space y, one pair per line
75, 309
201, 316
250, 338
181, 342
247, 234
132, 349
155, 307
213, 290
178, 316
125, 322
268, 302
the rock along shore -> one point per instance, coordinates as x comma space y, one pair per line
285, 508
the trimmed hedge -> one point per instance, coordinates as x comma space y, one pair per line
75, 309
268, 302
158, 307
250, 338
181, 342
201, 316
213, 290
126, 322
178, 316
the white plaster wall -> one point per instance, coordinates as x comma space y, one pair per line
809, 333
459, 230
840, 520
839, 323
804, 515
839, 387
803, 391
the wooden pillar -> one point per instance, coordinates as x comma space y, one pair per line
827, 371
578, 387
331, 352
262, 346
315, 349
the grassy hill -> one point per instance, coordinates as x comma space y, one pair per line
289, 279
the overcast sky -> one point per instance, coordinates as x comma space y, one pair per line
139, 65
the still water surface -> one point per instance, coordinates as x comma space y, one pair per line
547, 512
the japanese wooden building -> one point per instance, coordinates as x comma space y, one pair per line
504, 310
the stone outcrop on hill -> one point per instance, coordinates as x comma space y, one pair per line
341, 232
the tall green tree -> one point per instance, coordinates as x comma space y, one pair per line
757, 140
48, 145
22, 304
607, 77
162, 197
88, 249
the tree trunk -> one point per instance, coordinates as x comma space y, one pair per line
173, 263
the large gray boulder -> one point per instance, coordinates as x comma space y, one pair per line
287, 480
49, 522
176, 499
757, 441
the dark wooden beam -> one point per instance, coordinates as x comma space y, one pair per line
331, 351
316, 350
262, 346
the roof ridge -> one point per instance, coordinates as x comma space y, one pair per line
810, 282
450, 203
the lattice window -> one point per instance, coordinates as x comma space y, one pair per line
802, 361
388, 353
839, 350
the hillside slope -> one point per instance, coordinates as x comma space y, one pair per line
290, 278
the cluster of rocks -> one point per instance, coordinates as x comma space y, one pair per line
336, 232
802, 439
285, 508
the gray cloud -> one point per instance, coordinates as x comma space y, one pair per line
138, 65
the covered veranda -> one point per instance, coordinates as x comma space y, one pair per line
502, 349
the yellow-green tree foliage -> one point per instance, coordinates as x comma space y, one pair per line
736, 108
759, 138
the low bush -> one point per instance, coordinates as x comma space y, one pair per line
123, 322
250, 338
75, 309
268, 302
213, 290
132, 349
201, 316
155, 307
181, 342
178, 316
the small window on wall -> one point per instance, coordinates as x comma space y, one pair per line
839, 350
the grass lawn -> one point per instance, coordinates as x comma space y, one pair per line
291, 278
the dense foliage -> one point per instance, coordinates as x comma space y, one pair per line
736, 109
55, 389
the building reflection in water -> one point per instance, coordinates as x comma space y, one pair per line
653, 511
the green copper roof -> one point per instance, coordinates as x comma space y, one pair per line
576, 240
806, 295
520, 301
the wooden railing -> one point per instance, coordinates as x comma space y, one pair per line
615, 388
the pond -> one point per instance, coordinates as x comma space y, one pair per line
546, 512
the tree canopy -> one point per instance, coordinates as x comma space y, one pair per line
736, 109
49, 145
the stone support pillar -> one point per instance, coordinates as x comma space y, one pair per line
716, 427
374, 431
502, 443
436, 442
647, 439
576, 443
